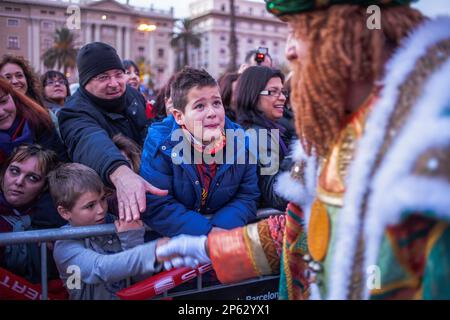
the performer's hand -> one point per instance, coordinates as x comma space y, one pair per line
179, 262
184, 246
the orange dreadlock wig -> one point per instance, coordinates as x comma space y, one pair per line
341, 50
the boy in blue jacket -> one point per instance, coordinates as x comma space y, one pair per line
185, 154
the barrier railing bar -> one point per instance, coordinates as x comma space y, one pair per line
49, 235
56, 234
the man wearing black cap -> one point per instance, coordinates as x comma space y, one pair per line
103, 107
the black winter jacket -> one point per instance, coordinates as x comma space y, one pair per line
269, 198
87, 130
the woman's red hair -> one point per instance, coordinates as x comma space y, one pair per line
36, 115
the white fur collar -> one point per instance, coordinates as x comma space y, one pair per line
292, 189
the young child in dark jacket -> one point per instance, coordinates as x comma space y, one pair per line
97, 267
196, 154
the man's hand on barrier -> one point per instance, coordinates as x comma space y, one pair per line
183, 250
131, 190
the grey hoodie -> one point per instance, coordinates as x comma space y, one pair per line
104, 263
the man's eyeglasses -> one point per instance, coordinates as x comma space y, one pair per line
55, 82
274, 93
106, 77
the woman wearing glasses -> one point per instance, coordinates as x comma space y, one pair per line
260, 100
56, 90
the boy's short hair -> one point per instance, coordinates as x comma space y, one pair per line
71, 180
185, 80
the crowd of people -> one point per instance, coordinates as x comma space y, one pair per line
197, 163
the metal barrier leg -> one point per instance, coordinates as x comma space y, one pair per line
199, 282
44, 271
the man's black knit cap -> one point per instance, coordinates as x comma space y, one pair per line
95, 58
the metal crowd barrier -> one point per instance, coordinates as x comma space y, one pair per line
50, 235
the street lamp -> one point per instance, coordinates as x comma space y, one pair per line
147, 27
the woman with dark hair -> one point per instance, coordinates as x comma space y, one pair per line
260, 100
25, 204
24, 121
133, 80
227, 84
21, 76
56, 90
133, 73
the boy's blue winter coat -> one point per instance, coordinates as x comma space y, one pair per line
232, 197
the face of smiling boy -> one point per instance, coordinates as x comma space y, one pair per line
204, 114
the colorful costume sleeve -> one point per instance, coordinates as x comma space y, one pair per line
271, 246
247, 252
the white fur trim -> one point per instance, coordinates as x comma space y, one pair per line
293, 190
314, 292
348, 222
395, 189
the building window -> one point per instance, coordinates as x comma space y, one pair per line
13, 22
17, 9
250, 40
222, 51
13, 42
250, 11
160, 70
44, 11
222, 7
47, 25
48, 44
263, 42
223, 38
161, 53
51, 12
108, 31
275, 44
141, 49
8, 9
